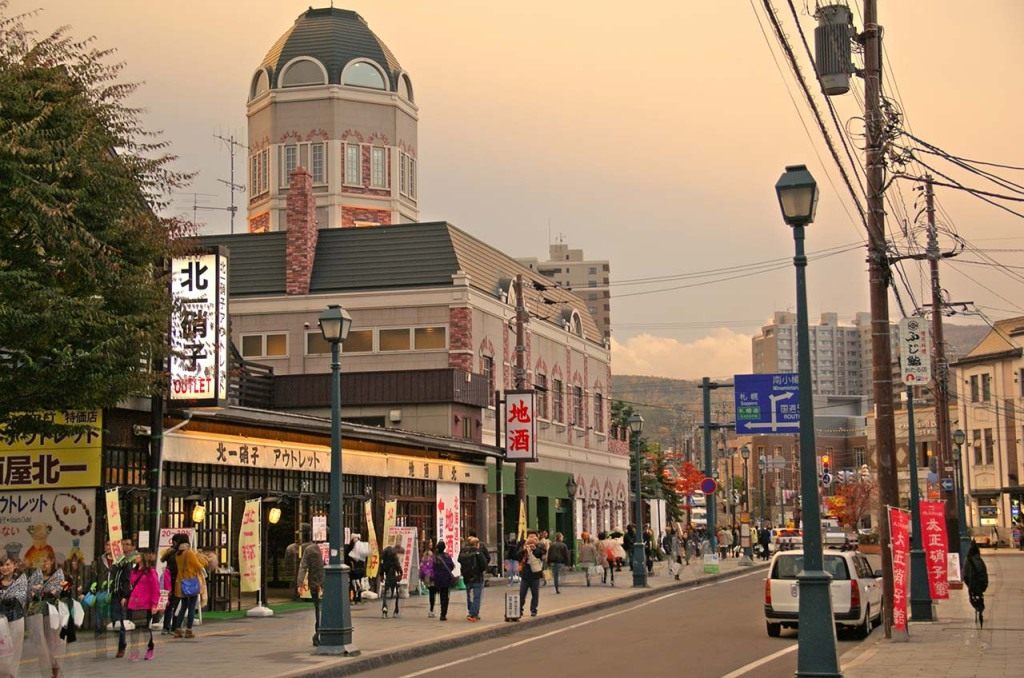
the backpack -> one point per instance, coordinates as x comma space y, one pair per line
119, 580
471, 568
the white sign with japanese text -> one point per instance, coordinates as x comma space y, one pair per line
520, 427
915, 356
199, 329
249, 545
449, 520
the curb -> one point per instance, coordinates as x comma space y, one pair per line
382, 659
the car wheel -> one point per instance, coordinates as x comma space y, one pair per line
877, 621
774, 630
864, 630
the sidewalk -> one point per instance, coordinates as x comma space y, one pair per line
281, 645
955, 646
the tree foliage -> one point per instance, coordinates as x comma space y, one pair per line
83, 301
852, 501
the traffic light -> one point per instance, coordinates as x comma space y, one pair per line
825, 467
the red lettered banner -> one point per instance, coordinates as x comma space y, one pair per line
933, 536
899, 535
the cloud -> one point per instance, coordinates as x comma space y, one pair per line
721, 354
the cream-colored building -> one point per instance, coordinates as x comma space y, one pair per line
588, 278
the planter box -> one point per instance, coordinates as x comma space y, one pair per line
872, 549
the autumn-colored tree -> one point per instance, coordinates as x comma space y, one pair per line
852, 501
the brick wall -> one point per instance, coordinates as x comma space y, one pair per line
460, 339
302, 232
350, 215
259, 223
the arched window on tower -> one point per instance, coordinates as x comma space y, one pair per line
405, 88
363, 74
260, 84
303, 72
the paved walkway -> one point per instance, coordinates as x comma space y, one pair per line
280, 645
954, 646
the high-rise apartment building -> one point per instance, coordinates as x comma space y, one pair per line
587, 278
840, 354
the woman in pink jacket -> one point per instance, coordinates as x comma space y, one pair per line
144, 600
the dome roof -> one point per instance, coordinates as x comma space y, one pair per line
334, 37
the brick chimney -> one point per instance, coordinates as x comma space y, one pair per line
301, 248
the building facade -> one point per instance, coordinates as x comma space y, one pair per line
588, 278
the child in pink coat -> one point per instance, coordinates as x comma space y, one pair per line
144, 600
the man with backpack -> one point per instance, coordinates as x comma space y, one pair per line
473, 560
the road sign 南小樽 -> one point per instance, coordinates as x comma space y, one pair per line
767, 403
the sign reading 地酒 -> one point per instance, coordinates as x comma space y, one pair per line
199, 329
42, 461
520, 427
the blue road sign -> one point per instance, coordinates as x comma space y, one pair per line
767, 403
708, 486
947, 484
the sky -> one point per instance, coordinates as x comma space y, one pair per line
650, 135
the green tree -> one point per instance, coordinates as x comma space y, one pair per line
83, 301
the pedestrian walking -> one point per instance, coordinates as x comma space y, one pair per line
187, 587
976, 579
628, 543
357, 570
512, 547
559, 558
531, 567
650, 549
391, 569
427, 575
13, 601
545, 543
473, 561
606, 551
670, 544
100, 575
444, 577
45, 585
142, 603
310, 576
589, 560
170, 579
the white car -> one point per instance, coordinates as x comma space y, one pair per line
856, 591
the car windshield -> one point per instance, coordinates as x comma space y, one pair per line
790, 565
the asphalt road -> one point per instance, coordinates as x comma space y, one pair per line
712, 630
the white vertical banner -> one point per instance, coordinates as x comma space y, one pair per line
199, 329
249, 547
114, 533
915, 355
449, 512
320, 529
520, 427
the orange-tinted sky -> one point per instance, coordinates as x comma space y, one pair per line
650, 134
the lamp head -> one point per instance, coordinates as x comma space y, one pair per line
335, 323
636, 423
571, 486
798, 195
745, 452
959, 437
274, 515
198, 513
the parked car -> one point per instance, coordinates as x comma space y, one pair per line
856, 591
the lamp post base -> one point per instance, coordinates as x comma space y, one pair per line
816, 651
639, 566
921, 606
335, 633
748, 557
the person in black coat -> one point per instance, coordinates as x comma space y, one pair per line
976, 579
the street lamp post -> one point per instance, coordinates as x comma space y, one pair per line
335, 637
636, 426
965, 540
760, 489
748, 540
816, 652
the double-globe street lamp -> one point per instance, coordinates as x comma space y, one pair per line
816, 653
636, 427
335, 634
965, 540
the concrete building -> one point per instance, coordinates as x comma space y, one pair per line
588, 278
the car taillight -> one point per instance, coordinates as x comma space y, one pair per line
854, 593
768, 592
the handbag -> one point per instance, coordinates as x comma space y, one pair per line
89, 599
190, 586
535, 563
595, 570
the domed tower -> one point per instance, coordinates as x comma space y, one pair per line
331, 97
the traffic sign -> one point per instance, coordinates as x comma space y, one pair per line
826, 479
708, 486
767, 403
947, 484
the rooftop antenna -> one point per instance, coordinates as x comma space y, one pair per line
232, 186
196, 206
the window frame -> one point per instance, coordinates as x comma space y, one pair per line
598, 412
557, 402
379, 169
286, 172
540, 385
347, 178
263, 345
323, 171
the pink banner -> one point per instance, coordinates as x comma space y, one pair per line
899, 535
933, 536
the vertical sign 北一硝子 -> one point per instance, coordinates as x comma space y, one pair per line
933, 536
199, 318
390, 513
520, 429
249, 546
114, 533
373, 560
449, 529
899, 532
915, 359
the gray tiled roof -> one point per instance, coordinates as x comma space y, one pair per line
392, 257
333, 37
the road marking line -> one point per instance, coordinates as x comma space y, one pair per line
760, 662
577, 625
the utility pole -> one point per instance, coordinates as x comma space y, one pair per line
710, 503
520, 378
878, 275
943, 434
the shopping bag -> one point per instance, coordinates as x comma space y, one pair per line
63, 614
52, 616
595, 571
89, 599
78, 613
